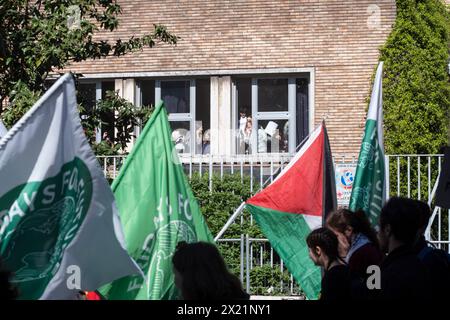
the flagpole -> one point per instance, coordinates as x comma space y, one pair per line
230, 221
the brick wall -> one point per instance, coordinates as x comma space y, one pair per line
339, 38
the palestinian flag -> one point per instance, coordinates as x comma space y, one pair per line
294, 204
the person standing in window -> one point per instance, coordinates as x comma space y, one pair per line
206, 143
262, 140
199, 137
275, 142
243, 120
180, 137
284, 138
247, 134
274, 138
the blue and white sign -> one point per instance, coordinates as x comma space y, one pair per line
345, 173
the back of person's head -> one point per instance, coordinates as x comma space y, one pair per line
424, 215
401, 214
326, 240
342, 219
7, 290
204, 274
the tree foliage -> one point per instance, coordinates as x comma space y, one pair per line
123, 117
44, 36
217, 204
416, 87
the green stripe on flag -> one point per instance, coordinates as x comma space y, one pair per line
287, 234
367, 192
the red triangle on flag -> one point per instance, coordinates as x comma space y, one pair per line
299, 187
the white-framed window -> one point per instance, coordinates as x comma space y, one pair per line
187, 101
179, 99
271, 113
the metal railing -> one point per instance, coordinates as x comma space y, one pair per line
413, 176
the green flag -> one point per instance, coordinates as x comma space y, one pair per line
157, 210
59, 226
369, 187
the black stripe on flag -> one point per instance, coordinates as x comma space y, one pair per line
329, 202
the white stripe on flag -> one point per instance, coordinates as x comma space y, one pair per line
313, 222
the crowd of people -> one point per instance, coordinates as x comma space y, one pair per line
397, 260
358, 263
182, 140
351, 253
268, 139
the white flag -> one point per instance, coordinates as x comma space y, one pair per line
3, 129
59, 227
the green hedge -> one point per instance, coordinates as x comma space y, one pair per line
416, 87
217, 205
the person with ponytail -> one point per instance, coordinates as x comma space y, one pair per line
323, 251
358, 242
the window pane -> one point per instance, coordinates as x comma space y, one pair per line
107, 86
273, 136
86, 95
244, 115
181, 136
107, 117
148, 93
272, 95
302, 114
202, 115
175, 95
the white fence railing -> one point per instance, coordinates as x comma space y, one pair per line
411, 176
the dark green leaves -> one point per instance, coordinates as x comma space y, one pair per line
39, 37
416, 87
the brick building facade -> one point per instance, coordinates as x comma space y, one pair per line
286, 64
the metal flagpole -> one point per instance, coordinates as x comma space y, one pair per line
430, 221
230, 221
